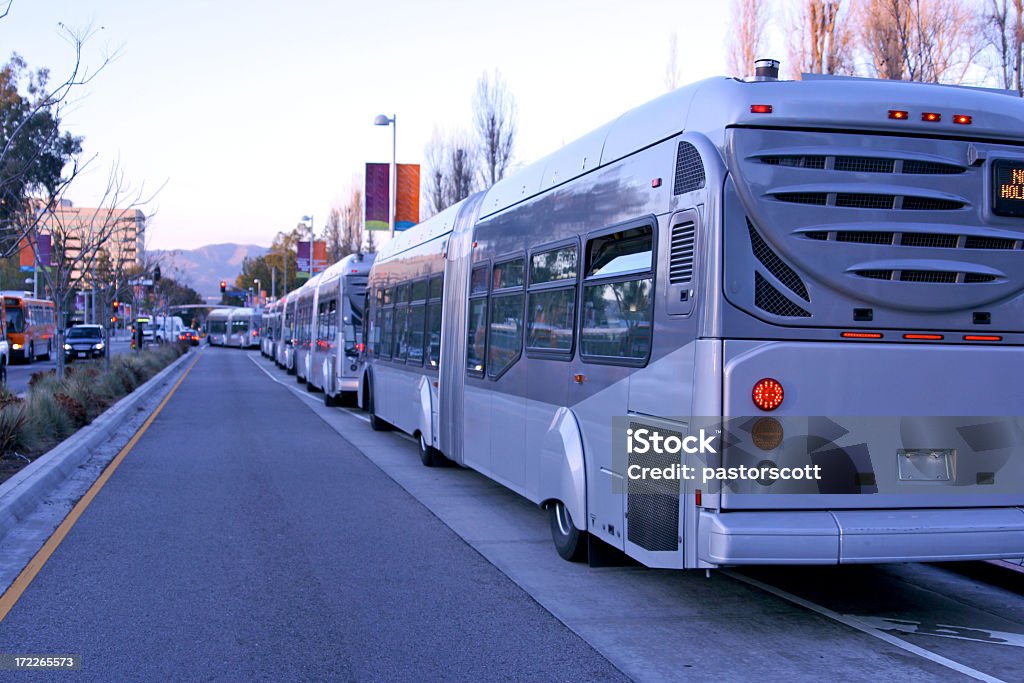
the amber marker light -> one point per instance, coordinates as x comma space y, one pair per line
862, 335
931, 117
767, 433
767, 394
760, 109
962, 119
898, 114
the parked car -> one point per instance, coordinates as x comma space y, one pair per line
189, 336
84, 341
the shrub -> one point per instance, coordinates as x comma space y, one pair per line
13, 420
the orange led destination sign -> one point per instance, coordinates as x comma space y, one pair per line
1008, 187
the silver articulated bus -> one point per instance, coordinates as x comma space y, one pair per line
243, 326
285, 347
217, 326
337, 328
792, 265
305, 304
269, 333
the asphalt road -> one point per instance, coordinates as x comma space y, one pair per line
244, 539
18, 375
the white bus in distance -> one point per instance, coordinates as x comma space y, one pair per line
762, 248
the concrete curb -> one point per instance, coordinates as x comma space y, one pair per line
23, 492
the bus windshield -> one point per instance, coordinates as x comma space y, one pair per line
15, 320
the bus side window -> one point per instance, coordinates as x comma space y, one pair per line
618, 302
433, 336
476, 330
505, 336
551, 304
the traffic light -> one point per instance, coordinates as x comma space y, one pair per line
223, 286
116, 304
156, 274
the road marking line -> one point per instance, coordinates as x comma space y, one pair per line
289, 387
28, 574
920, 628
862, 625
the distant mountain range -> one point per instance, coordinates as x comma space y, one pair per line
202, 269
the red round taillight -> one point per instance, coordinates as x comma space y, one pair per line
767, 394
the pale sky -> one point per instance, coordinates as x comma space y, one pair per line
256, 113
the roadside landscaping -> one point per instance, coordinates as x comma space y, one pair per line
54, 410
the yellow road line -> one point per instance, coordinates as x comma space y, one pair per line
28, 574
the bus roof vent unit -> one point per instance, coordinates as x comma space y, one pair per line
652, 505
689, 170
775, 265
680, 266
771, 300
766, 69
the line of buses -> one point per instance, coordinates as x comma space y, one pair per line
29, 328
826, 272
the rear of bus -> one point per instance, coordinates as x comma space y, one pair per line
871, 325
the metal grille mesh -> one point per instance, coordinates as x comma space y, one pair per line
652, 505
930, 204
680, 268
865, 164
771, 300
864, 237
989, 243
927, 239
930, 168
795, 161
818, 198
876, 274
775, 265
864, 201
937, 276
689, 169
979, 277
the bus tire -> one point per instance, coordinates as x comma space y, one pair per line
429, 456
30, 354
3, 371
376, 424
570, 542
48, 349
330, 401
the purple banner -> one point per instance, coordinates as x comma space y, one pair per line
378, 201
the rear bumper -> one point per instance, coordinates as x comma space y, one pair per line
860, 536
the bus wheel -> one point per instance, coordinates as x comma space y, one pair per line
47, 356
330, 401
570, 542
3, 371
430, 456
376, 424
30, 355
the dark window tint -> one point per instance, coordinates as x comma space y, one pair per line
434, 334
552, 266
616, 320
414, 335
401, 332
508, 274
478, 284
551, 320
477, 336
506, 333
436, 287
419, 291
385, 341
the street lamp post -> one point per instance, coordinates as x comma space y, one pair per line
383, 120
258, 284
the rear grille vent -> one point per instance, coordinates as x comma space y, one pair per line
864, 237
939, 276
795, 161
819, 198
769, 299
689, 169
856, 200
930, 204
973, 242
775, 265
652, 505
865, 164
927, 276
931, 240
680, 268
865, 201
855, 164
924, 239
